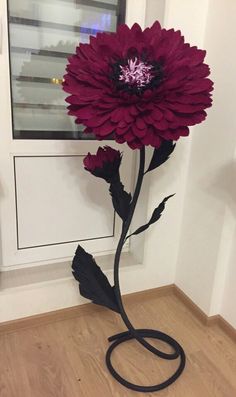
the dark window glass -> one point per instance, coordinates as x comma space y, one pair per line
41, 36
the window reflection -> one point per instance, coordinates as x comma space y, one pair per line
42, 36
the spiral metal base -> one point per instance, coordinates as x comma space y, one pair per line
147, 333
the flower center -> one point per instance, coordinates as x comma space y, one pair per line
136, 73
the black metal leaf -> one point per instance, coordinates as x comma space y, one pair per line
120, 198
93, 284
155, 216
161, 155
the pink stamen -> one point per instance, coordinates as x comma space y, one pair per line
136, 73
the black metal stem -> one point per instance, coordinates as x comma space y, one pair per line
124, 232
139, 334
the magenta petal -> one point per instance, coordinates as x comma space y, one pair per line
136, 28
156, 142
119, 139
122, 124
123, 31
137, 132
133, 110
148, 119
117, 115
161, 125
129, 137
168, 115
104, 129
97, 121
202, 85
157, 114
128, 118
121, 131
140, 124
135, 144
85, 112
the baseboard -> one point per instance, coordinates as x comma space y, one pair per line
191, 305
80, 310
150, 293
226, 327
206, 320
47, 318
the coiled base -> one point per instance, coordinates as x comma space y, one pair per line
178, 352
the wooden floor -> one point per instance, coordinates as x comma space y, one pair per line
66, 359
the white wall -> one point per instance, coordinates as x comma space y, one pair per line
194, 244
162, 242
205, 269
227, 307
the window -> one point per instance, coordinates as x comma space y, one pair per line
42, 34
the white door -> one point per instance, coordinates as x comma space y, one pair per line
48, 202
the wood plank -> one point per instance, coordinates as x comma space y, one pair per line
66, 357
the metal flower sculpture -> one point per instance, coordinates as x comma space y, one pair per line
143, 88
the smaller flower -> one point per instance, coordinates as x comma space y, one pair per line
104, 164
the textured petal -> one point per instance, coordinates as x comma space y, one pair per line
104, 130
137, 132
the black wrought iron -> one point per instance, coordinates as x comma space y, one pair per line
140, 334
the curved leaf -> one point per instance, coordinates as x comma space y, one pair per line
155, 216
93, 284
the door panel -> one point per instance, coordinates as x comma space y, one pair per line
58, 203
47, 201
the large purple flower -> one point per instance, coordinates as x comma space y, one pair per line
142, 87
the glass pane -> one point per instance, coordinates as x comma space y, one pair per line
42, 35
